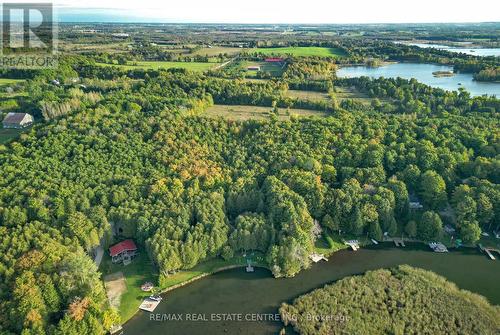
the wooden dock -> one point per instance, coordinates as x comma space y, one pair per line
488, 251
490, 255
399, 242
149, 305
318, 257
354, 244
249, 267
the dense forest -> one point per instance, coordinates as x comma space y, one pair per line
125, 153
402, 300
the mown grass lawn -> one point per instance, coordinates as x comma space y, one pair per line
301, 51
141, 270
327, 244
206, 267
146, 65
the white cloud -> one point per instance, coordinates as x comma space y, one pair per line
288, 11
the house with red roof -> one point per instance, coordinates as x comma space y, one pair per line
274, 60
123, 252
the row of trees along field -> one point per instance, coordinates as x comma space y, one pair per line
138, 153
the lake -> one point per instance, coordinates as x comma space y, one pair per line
483, 52
252, 296
423, 73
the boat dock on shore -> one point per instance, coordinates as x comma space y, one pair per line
399, 242
354, 244
318, 257
438, 247
488, 251
249, 267
149, 305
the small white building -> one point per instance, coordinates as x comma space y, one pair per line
416, 205
17, 120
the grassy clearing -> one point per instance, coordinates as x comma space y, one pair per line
216, 51
8, 81
350, 93
241, 112
137, 273
308, 95
193, 66
328, 244
8, 134
301, 51
343, 93
274, 69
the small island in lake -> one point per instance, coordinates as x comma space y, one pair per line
402, 300
439, 74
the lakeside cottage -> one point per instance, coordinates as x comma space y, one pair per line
17, 120
123, 252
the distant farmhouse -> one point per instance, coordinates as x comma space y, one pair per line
274, 60
253, 68
17, 120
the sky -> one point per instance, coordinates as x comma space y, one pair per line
278, 11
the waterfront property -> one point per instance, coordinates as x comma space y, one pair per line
222, 292
123, 252
17, 120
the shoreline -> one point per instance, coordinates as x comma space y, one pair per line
235, 266
203, 275
195, 278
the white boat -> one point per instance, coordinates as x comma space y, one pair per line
156, 297
374, 241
